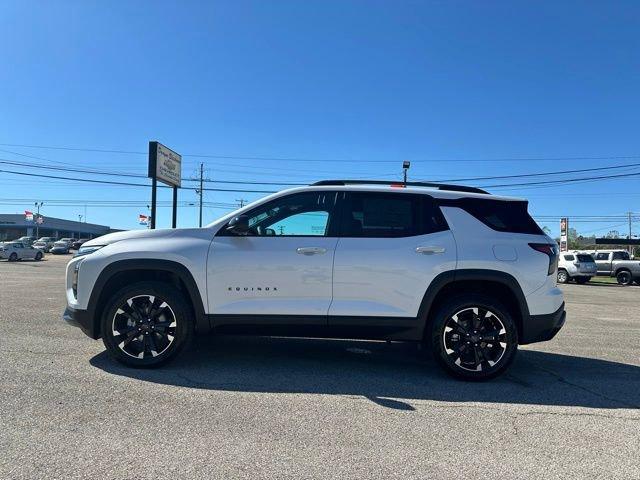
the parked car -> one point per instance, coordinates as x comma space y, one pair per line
579, 267
48, 243
60, 247
69, 240
26, 241
14, 251
78, 243
618, 264
469, 274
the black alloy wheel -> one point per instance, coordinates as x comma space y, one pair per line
146, 324
474, 338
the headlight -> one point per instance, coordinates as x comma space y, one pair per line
88, 249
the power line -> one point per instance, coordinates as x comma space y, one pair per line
109, 182
559, 172
341, 160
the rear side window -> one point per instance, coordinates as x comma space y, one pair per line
602, 256
372, 214
569, 258
499, 215
585, 258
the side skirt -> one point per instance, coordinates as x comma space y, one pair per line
320, 326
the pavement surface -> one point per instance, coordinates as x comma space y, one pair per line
281, 408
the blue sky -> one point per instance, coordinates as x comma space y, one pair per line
359, 86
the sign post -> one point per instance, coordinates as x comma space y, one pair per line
564, 234
164, 165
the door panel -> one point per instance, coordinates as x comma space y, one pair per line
392, 246
387, 277
282, 265
267, 276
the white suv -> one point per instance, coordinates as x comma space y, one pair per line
469, 274
579, 267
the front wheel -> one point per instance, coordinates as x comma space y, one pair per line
13, 257
146, 324
624, 277
473, 337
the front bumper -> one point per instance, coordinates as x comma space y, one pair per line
81, 319
540, 328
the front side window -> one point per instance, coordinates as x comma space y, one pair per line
301, 214
602, 256
373, 214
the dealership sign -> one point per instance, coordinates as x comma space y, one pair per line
165, 164
564, 234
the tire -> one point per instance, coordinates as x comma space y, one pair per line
140, 339
624, 277
13, 257
563, 276
582, 280
38, 256
452, 327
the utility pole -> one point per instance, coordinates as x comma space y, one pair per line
38, 205
79, 221
200, 192
630, 246
241, 201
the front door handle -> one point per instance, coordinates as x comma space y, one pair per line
311, 250
430, 250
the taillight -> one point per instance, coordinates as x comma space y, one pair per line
551, 251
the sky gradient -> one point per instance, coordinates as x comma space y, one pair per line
339, 89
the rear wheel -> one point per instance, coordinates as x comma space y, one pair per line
582, 280
13, 257
146, 324
563, 276
473, 337
39, 256
624, 277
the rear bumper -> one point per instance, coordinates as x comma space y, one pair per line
81, 319
540, 328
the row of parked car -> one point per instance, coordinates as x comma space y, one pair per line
34, 249
581, 266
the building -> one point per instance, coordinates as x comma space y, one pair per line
14, 226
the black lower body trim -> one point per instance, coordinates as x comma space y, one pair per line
81, 319
540, 328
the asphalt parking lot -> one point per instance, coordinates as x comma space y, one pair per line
282, 408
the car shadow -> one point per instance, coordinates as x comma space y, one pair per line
393, 375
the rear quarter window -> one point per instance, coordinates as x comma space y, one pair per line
585, 258
499, 215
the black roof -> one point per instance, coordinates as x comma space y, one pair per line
439, 186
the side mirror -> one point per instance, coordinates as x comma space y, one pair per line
239, 225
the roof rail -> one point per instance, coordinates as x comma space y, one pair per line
400, 183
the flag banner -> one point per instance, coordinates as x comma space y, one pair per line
143, 219
28, 216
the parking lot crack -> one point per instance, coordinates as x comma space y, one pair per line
564, 381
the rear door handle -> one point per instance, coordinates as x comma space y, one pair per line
430, 250
310, 250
